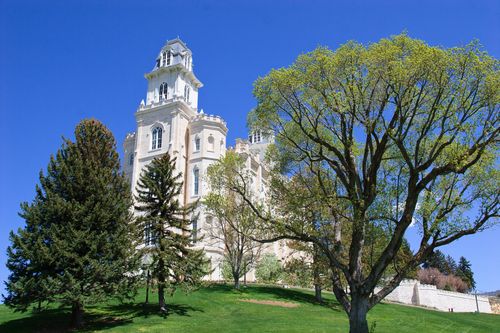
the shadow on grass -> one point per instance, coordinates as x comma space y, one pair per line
277, 292
109, 316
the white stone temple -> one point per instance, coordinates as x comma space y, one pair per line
169, 121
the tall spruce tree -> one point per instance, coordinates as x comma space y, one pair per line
167, 226
464, 271
77, 246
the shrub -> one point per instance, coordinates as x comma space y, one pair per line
446, 282
297, 272
268, 269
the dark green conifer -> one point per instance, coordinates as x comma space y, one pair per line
167, 226
464, 271
77, 245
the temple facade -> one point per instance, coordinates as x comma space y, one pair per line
168, 120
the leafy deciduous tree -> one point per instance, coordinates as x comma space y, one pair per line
232, 221
397, 133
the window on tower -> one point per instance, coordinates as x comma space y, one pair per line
211, 143
163, 91
255, 137
164, 58
197, 144
186, 93
156, 138
196, 181
169, 56
194, 225
131, 159
149, 234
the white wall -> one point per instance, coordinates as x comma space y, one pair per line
412, 292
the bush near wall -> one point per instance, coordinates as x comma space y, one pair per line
441, 281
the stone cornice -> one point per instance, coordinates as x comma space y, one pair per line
172, 68
177, 104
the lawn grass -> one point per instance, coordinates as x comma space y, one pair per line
218, 308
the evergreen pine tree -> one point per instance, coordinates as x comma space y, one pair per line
451, 266
77, 246
436, 260
167, 227
464, 271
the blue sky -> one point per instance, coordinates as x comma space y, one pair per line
61, 61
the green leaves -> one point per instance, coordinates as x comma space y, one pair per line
387, 135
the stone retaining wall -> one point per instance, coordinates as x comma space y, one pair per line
412, 292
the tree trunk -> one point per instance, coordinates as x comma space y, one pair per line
317, 293
161, 285
147, 287
76, 315
236, 278
357, 315
316, 275
161, 298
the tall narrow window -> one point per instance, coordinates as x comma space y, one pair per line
194, 226
196, 181
163, 91
169, 56
131, 159
164, 58
211, 143
186, 93
197, 144
156, 138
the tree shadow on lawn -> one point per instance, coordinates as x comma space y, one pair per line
277, 292
95, 318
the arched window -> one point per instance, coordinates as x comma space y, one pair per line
164, 58
156, 138
163, 91
211, 143
196, 181
131, 159
186, 93
169, 56
197, 143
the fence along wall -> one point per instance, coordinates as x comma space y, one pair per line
412, 292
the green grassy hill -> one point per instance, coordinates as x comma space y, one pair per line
218, 308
